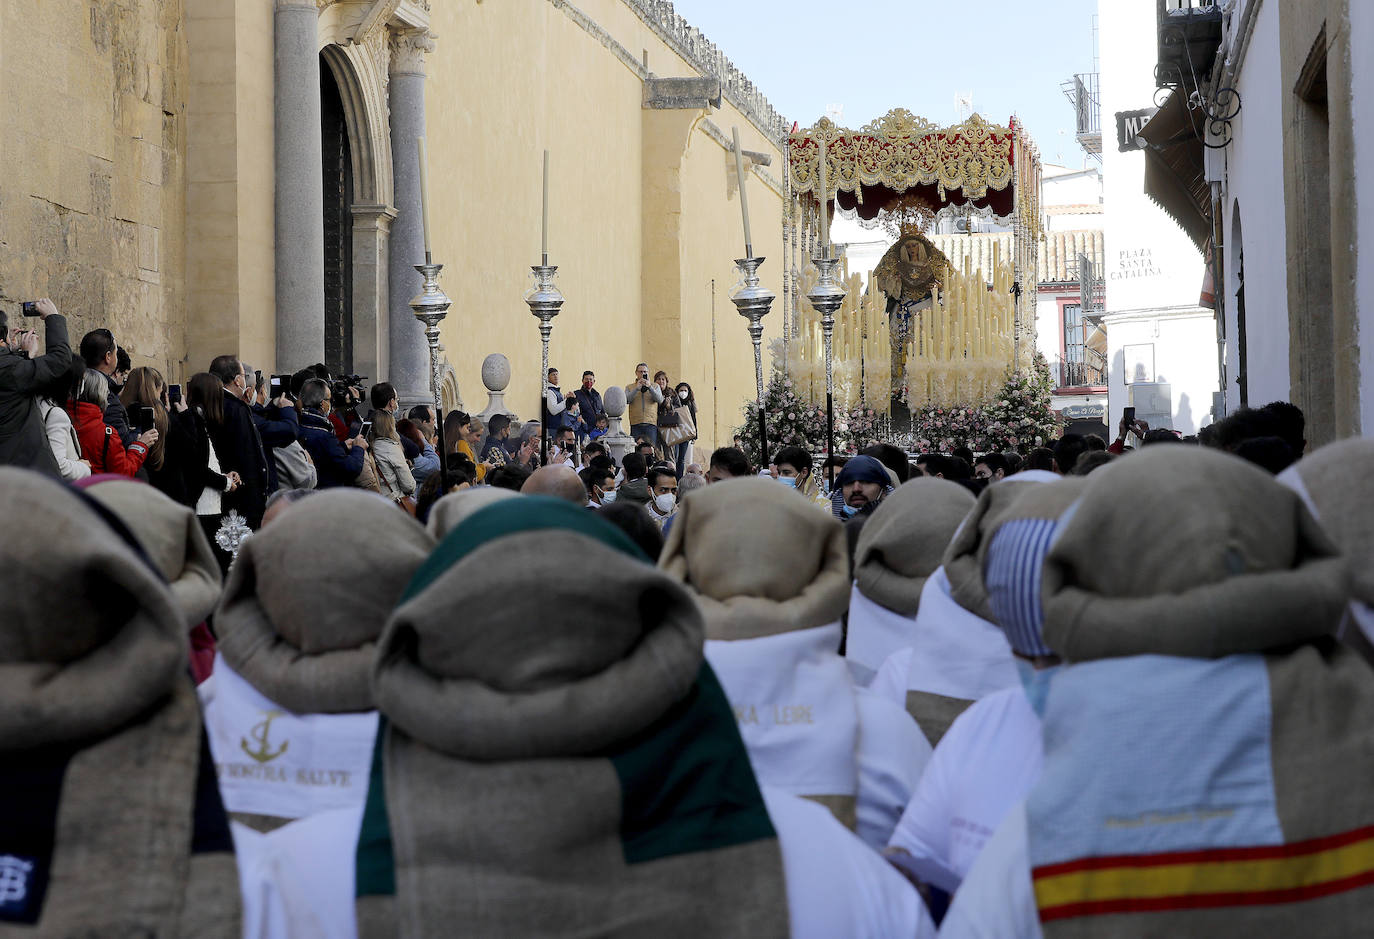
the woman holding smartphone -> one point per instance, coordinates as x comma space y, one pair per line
397, 482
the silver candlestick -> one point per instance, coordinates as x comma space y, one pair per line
544, 301
754, 302
431, 306
826, 297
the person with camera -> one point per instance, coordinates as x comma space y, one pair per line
336, 464
145, 400
23, 440
642, 398
100, 443
238, 444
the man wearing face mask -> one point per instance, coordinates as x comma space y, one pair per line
599, 479
589, 404
338, 464
864, 483
792, 468
663, 490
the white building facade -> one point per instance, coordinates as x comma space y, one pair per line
1163, 356
1295, 85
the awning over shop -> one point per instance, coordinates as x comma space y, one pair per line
1174, 172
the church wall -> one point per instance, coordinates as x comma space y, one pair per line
712, 237
93, 100
510, 79
507, 81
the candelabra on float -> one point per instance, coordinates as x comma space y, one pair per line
826, 297
754, 301
431, 306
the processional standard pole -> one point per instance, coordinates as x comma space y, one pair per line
826, 297
752, 300
430, 307
544, 301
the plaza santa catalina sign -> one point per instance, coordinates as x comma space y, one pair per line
1133, 263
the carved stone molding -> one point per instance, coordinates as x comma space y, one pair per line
408, 51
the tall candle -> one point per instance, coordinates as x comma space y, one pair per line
424, 192
824, 197
743, 197
544, 231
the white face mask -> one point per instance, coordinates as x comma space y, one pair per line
665, 502
608, 497
682, 395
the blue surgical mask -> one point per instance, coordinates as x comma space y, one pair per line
788, 481
848, 511
608, 497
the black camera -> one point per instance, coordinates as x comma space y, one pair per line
347, 391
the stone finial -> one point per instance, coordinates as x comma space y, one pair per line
496, 372
496, 378
616, 440
614, 403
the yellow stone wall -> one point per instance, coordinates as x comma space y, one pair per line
643, 207
92, 167
137, 189
230, 259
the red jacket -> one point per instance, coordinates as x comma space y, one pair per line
101, 445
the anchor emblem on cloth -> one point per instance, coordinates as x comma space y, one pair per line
264, 752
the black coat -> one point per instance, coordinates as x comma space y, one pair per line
277, 427
23, 439
117, 415
335, 464
240, 450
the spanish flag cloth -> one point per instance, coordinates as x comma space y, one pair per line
560, 761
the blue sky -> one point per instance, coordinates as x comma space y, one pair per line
870, 56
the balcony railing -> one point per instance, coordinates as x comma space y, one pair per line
1189, 34
1080, 374
1082, 92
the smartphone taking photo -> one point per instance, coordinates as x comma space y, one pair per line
365, 429
174, 394
142, 418
278, 385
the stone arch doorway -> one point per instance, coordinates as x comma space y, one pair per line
358, 196
338, 226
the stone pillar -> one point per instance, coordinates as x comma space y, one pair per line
300, 186
617, 442
408, 368
371, 270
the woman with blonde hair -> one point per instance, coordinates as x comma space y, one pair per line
393, 472
166, 463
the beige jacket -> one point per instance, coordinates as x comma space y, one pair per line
642, 408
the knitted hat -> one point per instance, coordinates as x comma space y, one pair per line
1188, 552
172, 538
966, 557
760, 560
592, 751
446, 514
864, 469
904, 540
307, 597
1337, 485
1015, 561
109, 808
